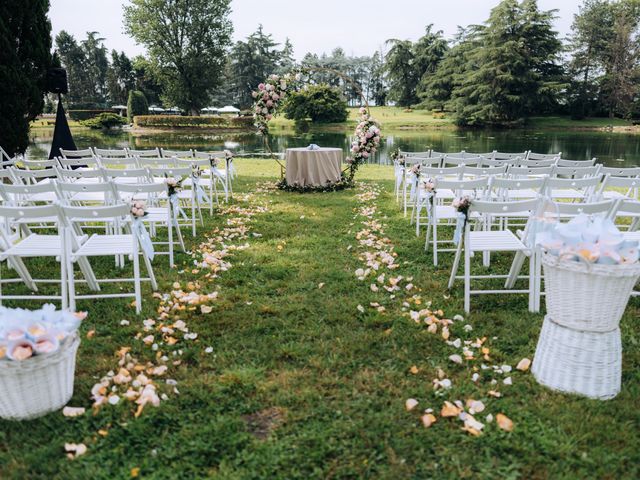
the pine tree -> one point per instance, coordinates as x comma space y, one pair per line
25, 55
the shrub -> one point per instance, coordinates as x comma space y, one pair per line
175, 121
320, 103
80, 115
137, 105
105, 121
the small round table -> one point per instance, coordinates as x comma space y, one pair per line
313, 167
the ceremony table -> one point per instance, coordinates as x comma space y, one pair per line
317, 167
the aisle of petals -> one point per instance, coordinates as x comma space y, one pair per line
162, 340
491, 380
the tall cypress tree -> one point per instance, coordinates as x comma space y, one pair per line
25, 55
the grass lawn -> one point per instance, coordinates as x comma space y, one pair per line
300, 384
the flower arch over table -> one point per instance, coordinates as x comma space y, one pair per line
269, 97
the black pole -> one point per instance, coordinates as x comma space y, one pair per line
62, 137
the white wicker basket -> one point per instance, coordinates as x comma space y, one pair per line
586, 363
585, 296
42, 384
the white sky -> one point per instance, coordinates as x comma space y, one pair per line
360, 27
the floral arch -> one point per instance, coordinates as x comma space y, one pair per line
269, 97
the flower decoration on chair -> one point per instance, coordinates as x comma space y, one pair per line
138, 209
269, 97
429, 186
461, 205
138, 212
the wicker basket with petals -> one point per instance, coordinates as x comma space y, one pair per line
39, 385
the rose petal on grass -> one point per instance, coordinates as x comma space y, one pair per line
410, 404
449, 410
504, 422
428, 419
523, 365
73, 411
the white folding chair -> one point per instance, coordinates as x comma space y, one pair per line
79, 163
629, 209
485, 171
492, 241
110, 153
184, 154
440, 214
157, 162
204, 177
5, 159
125, 245
468, 161
517, 156
537, 163
159, 213
578, 172
186, 195
27, 195
425, 154
85, 153
14, 248
127, 162
86, 194
128, 175
33, 177
524, 172
39, 164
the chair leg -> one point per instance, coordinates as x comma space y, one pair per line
538, 279
456, 265
467, 280
532, 282
516, 268
136, 278
426, 241
434, 241
152, 276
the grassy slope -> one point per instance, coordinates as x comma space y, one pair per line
339, 378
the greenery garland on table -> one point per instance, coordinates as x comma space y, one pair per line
269, 97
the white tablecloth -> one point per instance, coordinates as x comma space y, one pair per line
313, 167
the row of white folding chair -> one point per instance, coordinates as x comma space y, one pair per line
69, 249
160, 210
488, 239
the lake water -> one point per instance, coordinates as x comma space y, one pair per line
618, 149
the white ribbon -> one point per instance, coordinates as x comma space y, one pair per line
143, 237
461, 223
199, 191
175, 206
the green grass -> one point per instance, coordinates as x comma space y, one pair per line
336, 379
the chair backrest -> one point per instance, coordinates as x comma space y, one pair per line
176, 153
508, 156
39, 164
95, 213
110, 152
440, 172
426, 154
25, 213
631, 185
68, 175
537, 163
175, 172
141, 175
620, 171
154, 152
68, 190
120, 161
87, 152
33, 176
502, 184
207, 155
454, 161
576, 163
578, 172
593, 208
460, 187
196, 162
431, 162
584, 186
485, 171
543, 156
79, 162
530, 171
158, 161
17, 193
149, 191
490, 162
503, 207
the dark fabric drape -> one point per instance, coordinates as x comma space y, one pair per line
62, 137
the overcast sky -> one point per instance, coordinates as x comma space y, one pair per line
360, 27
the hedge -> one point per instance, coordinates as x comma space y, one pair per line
86, 114
136, 105
176, 121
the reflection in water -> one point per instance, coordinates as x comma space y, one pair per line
618, 149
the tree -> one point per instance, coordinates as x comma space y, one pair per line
429, 51
251, 61
136, 105
25, 56
401, 73
376, 88
86, 64
320, 103
144, 80
120, 78
186, 41
511, 69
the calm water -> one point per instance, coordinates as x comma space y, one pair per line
619, 149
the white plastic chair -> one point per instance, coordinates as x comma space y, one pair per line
620, 171
186, 195
576, 163
468, 161
575, 189
154, 152
537, 163
184, 154
543, 156
492, 241
110, 153
68, 154
104, 245
630, 187
79, 162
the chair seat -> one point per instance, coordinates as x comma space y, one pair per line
495, 241
36, 245
612, 194
106, 245
525, 194
156, 215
